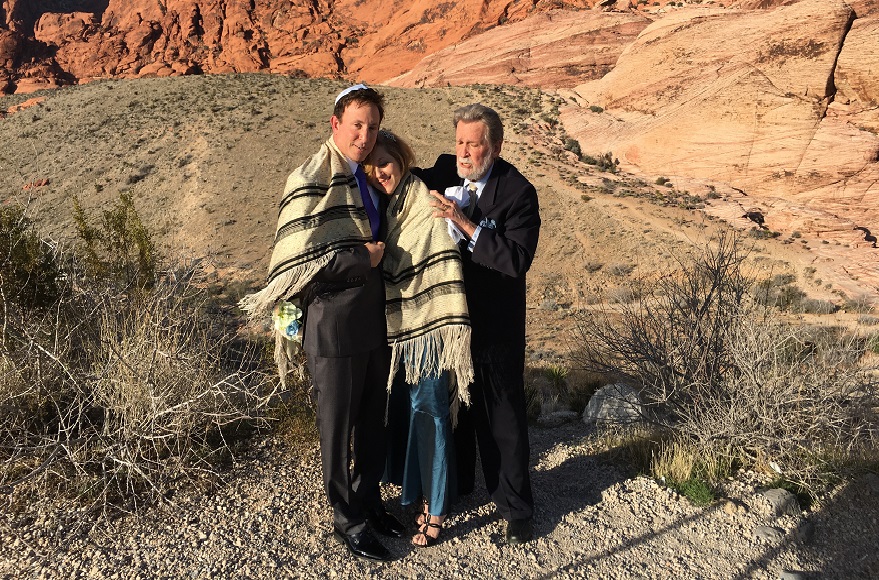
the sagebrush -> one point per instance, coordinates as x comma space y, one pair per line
116, 388
723, 370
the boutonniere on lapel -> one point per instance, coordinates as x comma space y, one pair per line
488, 224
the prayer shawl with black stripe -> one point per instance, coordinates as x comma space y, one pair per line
321, 213
428, 322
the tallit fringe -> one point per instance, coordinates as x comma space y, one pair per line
261, 303
445, 349
283, 286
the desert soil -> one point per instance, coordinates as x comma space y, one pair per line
593, 520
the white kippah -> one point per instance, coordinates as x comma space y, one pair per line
359, 87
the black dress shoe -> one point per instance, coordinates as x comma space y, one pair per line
363, 545
520, 531
386, 524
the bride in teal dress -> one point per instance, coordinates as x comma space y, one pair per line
428, 329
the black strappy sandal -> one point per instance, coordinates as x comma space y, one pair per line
424, 515
428, 539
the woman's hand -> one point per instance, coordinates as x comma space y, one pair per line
376, 251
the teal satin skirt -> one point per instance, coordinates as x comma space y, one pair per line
421, 454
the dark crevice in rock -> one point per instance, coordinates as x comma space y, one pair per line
830, 89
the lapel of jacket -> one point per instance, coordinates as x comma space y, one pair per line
488, 197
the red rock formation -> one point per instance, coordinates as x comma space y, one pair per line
25, 105
41, 44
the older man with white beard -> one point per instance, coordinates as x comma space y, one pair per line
494, 213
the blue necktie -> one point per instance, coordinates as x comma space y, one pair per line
371, 212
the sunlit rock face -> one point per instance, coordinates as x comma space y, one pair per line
61, 42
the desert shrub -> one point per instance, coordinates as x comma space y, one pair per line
533, 393
604, 162
763, 234
581, 387
545, 387
816, 306
779, 292
621, 269
116, 394
621, 295
294, 414
121, 248
573, 146
689, 470
29, 272
661, 180
596, 109
725, 374
633, 445
557, 377
783, 279
862, 304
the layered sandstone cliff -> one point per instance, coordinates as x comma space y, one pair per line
783, 106
554, 49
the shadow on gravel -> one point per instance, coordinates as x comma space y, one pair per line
634, 542
840, 537
575, 483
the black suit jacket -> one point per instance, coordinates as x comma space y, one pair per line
494, 273
346, 315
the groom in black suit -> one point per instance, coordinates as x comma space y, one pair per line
345, 342
496, 217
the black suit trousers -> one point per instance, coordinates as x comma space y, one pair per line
351, 397
497, 420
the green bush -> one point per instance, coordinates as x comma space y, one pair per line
573, 146
121, 248
696, 490
29, 269
604, 162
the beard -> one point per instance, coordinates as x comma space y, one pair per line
476, 172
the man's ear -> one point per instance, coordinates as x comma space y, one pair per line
334, 123
497, 150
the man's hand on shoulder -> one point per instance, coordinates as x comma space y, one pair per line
376, 251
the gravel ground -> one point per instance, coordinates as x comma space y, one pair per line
592, 520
